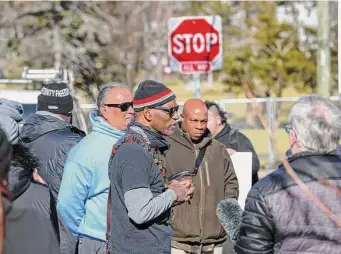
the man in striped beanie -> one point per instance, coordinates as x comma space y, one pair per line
151, 94
140, 213
155, 106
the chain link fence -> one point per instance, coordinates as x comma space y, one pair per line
242, 115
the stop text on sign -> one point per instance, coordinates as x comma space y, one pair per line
197, 42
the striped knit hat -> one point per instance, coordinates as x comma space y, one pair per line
151, 94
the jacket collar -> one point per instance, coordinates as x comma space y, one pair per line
46, 113
154, 138
37, 125
101, 126
183, 138
309, 154
224, 131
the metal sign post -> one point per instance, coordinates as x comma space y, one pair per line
196, 83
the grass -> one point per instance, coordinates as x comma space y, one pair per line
260, 141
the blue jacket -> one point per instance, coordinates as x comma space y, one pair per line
83, 195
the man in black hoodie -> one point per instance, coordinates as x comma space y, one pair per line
50, 136
234, 140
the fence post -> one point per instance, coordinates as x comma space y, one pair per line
271, 110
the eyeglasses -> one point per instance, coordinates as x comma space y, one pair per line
170, 111
287, 128
123, 106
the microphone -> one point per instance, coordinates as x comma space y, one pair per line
230, 216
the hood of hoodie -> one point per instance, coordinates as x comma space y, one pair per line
22, 166
12, 108
36, 125
101, 126
11, 115
183, 138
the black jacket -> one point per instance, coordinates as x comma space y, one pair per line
22, 166
50, 139
32, 217
280, 218
236, 140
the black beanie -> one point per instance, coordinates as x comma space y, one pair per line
55, 98
5, 155
151, 94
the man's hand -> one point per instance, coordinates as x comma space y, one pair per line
190, 192
188, 182
183, 188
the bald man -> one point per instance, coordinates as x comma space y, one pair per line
196, 228
82, 200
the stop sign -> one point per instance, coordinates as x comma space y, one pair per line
195, 44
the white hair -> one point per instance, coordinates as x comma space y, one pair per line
317, 123
104, 91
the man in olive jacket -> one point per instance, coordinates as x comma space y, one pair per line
196, 228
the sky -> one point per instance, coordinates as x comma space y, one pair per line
304, 17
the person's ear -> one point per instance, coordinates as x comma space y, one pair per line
104, 111
292, 138
148, 114
219, 120
182, 116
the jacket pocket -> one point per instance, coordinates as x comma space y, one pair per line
186, 221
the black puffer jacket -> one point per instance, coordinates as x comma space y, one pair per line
280, 218
50, 139
32, 217
236, 140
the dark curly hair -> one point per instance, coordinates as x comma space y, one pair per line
220, 111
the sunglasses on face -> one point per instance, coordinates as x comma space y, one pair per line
123, 106
170, 111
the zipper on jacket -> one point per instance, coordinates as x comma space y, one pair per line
207, 174
201, 210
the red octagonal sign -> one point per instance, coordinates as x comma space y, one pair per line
195, 44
